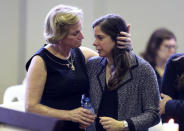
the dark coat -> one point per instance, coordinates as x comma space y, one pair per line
174, 108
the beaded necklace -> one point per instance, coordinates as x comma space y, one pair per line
70, 61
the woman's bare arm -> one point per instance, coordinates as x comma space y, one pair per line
35, 83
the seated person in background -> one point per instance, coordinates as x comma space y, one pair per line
56, 74
161, 45
172, 103
123, 87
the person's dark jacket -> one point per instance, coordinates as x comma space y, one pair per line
174, 108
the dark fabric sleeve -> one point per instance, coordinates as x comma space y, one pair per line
169, 87
159, 79
39, 52
169, 78
28, 63
131, 126
175, 108
150, 97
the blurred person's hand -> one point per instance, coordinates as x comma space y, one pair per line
163, 101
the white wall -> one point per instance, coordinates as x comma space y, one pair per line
9, 38
36, 15
21, 27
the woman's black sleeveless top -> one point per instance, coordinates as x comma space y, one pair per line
64, 86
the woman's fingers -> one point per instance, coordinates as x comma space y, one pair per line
105, 122
85, 121
82, 116
124, 41
125, 34
128, 26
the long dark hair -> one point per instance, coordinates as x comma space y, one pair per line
154, 43
112, 25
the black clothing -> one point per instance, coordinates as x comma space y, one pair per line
159, 79
174, 108
64, 86
108, 107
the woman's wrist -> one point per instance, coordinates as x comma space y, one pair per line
65, 115
125, 125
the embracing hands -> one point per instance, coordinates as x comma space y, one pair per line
110, 124
82, 116
124, 41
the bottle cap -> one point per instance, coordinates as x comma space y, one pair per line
87, 99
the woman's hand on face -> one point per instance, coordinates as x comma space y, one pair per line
124, 41
110, 124
163, 101
83, 116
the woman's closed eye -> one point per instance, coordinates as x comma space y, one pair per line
99, 37
75, 33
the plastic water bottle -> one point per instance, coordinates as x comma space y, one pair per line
82, 100
86, 103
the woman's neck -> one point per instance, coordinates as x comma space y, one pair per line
109, 61
61, 51
160, 66
160, 63
160, 71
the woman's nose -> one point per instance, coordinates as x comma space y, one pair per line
81, 36
95, 43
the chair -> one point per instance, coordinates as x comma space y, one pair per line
14, 93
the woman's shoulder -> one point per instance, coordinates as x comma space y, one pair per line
39, 56
94, 59
177, 57
95, 62
88, 53
141, 66
140, 61
176, 61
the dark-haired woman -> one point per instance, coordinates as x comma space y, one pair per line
161, 45
123, 87
172, 103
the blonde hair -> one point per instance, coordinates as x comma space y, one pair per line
58, 20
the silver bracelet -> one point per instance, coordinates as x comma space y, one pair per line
125, 126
